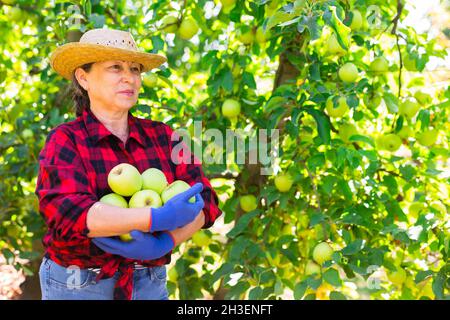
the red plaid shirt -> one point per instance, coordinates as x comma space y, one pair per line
73, 170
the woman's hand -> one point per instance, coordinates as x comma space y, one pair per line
178, 211
145, 246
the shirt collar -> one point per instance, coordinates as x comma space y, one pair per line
97, 131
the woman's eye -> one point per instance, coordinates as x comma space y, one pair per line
136, 69
116, 66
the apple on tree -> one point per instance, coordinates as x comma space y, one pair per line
408, 108
188, 28
154, 179
248, 202
428, 137
150, 80
201, 239
379, 65
231, 108
339, 110
283, 182
348, 72
246, 37
322, 252
333, 46
169, 24
357, 20
391, 142
346, 130
312, 268
398, 276
124, 179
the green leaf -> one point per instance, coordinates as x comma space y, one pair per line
242, 223
332, 277
422, 275
336, 295
300, 289
358, 137
277, 18
255, 293
353, 247
323, 125
249, 80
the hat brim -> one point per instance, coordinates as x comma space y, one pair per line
66, 58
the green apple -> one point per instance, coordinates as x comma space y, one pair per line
379, 141
428, 137
188, 28
117, 201
379, 65
145, 198
150, 80
261, 35
125, 179
176, 187
15, 14
333, 46
348, 72
409, 63
173, 274
340, 110
372, 101
322, 252
422, 97
312, 268
392, 142
27, 133
406, 132
231, 108
169, 24
201, 239
246, 37
408, 108
346, 130
357, 20
397, 277
248, 202
283, 182
154, 179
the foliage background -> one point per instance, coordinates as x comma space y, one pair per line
349, 192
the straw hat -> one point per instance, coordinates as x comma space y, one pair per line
100, 45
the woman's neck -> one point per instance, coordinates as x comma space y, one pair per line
115, 121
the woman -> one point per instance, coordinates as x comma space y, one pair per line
82, 260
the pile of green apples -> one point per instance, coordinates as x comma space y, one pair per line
149, 189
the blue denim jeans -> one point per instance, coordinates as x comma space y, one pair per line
60, 283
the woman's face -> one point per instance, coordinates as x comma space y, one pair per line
113, 84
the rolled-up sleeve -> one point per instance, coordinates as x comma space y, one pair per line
63, 189
191, 171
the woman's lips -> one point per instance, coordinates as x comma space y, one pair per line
128, 93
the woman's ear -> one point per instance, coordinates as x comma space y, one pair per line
80, 74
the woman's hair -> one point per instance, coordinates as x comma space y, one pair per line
80, 96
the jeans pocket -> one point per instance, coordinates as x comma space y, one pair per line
72, 277
159, 273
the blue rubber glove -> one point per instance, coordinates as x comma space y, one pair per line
145, 246
178, 211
